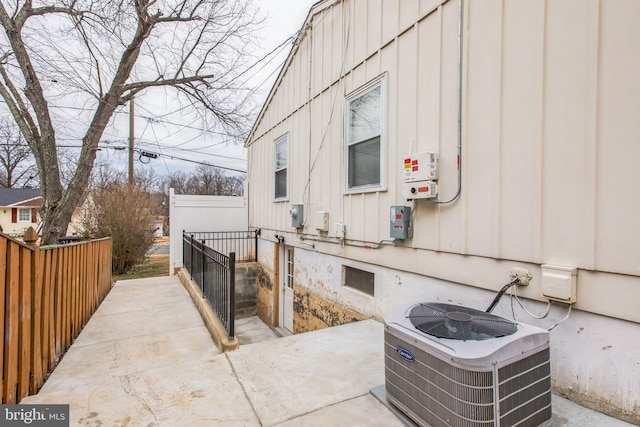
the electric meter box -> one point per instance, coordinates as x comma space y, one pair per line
297, 215
420, 167
419, 190
400, 227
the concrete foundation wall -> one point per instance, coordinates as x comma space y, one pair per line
265, 297
582, 346
312, 311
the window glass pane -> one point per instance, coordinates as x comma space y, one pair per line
281, 154
359, 279
364, 116
281, 184
364, 163
24, 215
281, 165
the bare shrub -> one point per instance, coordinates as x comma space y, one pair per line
126, 214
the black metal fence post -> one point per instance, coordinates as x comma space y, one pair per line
191, 258
255, 243
232, 294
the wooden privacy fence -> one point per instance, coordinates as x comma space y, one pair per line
48, 295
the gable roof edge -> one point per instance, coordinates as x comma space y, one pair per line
315, 9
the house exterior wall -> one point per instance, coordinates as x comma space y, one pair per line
550, 100
16, 228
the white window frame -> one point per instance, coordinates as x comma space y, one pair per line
21, 211
381, 82
284, 139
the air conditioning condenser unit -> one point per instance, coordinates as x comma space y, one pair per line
448, 365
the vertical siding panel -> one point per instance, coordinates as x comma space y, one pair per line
359, 31
389, 20
427, 138
316, 54
337, 43
618, 209
566, 116
328, 49
408, 12
521, 131
374, 23
482, 157
404, 140
452, 218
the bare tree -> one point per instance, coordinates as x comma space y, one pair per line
18, 169
205, 180
101, 54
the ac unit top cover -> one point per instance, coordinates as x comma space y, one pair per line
484, 353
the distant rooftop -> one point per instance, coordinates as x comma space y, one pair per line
11, 196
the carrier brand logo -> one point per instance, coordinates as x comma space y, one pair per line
405, 354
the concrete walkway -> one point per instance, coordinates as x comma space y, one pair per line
146, 359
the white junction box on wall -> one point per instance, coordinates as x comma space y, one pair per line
419, 176
419, 190
559, 283
420, 167
322, 221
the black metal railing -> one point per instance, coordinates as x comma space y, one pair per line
243, 243
214, 273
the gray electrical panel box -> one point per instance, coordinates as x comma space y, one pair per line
297, 215
400, 226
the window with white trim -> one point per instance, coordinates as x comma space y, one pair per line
281, 162
24, 215
365, 137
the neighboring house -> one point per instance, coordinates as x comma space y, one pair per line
541, 169
19, 210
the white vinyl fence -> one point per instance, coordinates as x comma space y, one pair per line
202, 213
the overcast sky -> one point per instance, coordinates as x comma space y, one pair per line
174, 136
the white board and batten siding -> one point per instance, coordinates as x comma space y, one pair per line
550, 151
551, 136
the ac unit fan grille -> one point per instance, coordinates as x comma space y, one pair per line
438, 392
525, 391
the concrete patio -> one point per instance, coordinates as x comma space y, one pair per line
146, 359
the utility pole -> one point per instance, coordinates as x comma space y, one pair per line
131, 140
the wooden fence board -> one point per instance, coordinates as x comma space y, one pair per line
12, 311
3, 268
48, 295
24, 336
38, 360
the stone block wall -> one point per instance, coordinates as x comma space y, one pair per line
246, 289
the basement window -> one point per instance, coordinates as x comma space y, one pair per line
364, 281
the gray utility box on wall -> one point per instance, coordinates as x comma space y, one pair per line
400, 226
297, 215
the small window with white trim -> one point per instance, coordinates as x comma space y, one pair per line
281, 162
24, 215
365, 137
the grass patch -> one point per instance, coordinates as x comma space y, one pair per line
154, 266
